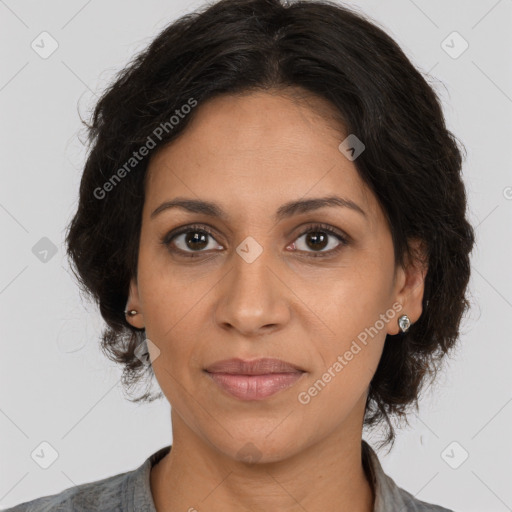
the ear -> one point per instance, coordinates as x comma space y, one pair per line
133, 302
410, 284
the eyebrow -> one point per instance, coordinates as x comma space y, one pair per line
286, 210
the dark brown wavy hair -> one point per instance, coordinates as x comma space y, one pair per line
412, 163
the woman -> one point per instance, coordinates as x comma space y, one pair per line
272, 221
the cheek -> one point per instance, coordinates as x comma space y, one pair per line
357, 310
170, 313
174, 368
352, 299
331, 394
167, 296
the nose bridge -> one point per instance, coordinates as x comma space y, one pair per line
252, 263
253, 296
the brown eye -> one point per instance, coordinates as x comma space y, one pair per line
318, 238
190, 240
196, 240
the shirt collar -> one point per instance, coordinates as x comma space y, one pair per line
386, 493
137, 495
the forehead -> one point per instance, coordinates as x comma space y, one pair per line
256, 151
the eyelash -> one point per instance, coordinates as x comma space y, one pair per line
323, 228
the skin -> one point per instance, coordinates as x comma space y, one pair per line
251, 154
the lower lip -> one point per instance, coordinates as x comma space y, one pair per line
255, 387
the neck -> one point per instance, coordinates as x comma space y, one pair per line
328, 475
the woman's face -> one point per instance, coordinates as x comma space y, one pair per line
260, 286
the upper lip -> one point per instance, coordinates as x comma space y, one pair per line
261, 366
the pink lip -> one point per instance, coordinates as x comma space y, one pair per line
261, 366
253, 380
254, 387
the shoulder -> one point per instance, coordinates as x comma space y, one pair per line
415, 505
105, 494
388, 495
125, 492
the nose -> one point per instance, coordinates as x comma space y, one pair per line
254, 298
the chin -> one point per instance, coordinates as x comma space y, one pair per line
259, 448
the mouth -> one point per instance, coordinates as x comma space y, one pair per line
254, 380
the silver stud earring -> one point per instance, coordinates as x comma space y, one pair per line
404, 323
132, 312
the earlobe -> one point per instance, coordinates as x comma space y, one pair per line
133, 309
411, 284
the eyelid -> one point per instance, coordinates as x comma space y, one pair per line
321, 226
167, 238
342, 237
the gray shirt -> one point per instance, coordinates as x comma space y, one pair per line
131, 492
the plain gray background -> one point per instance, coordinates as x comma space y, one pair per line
55, 385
